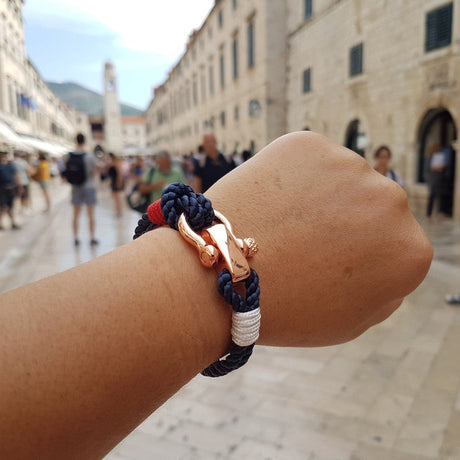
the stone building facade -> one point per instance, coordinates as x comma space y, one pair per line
221, 82
362, 73
380, 72
133, 132
27, 105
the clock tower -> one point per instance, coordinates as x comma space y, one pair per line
112, 113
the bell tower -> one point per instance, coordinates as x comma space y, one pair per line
112, 112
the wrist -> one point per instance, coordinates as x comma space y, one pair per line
203, 313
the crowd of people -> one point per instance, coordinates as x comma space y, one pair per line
149, 176
87, 172
17, 173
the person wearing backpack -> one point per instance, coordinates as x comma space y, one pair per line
80, 172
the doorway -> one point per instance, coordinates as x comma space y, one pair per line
437, 131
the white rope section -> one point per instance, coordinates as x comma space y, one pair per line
245, 327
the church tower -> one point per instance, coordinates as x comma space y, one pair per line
112, 112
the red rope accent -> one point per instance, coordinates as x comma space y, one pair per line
155, 214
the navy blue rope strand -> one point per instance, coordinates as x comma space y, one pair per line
180, 198
143, 226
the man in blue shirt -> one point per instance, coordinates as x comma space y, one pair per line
8, 183
211, 168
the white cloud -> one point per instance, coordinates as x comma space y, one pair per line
159, 27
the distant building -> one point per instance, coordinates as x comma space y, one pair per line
31, 116
112, 132
133, 132
231, 80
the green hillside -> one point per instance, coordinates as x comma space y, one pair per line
85, 100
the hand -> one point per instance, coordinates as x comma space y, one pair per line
339, 248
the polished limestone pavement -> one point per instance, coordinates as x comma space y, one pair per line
391, 394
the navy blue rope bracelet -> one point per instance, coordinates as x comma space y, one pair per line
184, 210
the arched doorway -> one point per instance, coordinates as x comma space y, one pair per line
355, 138
437, 131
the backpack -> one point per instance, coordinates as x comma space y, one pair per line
138, 201
75, 171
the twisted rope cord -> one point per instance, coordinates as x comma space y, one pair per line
180, 198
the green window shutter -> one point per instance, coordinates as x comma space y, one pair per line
306, 80
356, 60
308, 9
438, 28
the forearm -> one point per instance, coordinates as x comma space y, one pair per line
128, 330
106, 343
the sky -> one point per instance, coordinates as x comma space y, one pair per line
69, 40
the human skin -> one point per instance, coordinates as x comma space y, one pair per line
87, 354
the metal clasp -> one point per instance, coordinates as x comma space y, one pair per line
217, 246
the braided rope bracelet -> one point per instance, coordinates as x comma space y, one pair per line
189, 213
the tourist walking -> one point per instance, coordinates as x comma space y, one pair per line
117, 182
24, 171
436, 165
42, 175
9, 182
212, 167
137, 169
80, 172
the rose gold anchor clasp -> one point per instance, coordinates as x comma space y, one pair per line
218, 246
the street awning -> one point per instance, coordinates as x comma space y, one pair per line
9, 137
52, 149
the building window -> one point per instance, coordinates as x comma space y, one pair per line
255, 108
235, 4
211, 80
306, 80
222, 71
222, 118
187, 96
203, 87
12, 99
236, 113
220, 18
251, 44
308, 9
195, 91
356, 60
235, 57
438, 30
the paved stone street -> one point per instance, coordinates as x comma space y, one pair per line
392, 394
